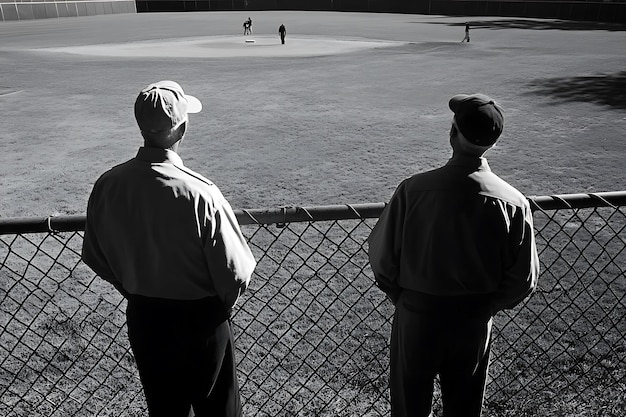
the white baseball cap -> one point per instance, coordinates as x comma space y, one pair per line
164, 106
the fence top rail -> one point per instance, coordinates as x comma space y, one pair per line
576, 201
284, 215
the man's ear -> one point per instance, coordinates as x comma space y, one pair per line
182, 129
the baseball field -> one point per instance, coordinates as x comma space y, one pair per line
349, 106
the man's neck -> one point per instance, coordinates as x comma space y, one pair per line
173, 148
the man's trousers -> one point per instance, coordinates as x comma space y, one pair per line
185, 356
445, 336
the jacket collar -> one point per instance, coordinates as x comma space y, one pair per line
474, 162
157, 155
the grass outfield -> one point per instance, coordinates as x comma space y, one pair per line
328, 128
353, 104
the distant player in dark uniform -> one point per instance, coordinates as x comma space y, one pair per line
466, 38
282, 31
247, 27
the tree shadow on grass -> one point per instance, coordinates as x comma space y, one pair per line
603, 89
535, 24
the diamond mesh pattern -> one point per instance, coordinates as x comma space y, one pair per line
312, 332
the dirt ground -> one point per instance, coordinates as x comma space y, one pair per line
351, 105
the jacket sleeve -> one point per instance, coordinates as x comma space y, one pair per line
385, 246
92, 254
229, 258
522, 272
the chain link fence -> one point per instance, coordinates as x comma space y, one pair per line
312, 333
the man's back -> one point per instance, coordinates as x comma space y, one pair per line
463, 225
158, 216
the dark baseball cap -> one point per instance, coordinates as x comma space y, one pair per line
478, 117
163, 106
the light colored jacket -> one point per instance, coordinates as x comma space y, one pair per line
158, 229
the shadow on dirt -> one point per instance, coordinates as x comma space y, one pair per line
603, 89
536, 24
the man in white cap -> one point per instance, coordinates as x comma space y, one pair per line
454, 246
168, 240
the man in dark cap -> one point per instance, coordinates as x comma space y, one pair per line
168, 240
454, 246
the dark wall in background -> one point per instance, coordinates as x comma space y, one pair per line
597, 11
613, 11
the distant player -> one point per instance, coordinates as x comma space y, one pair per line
247, 27
283, 32
466, 38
